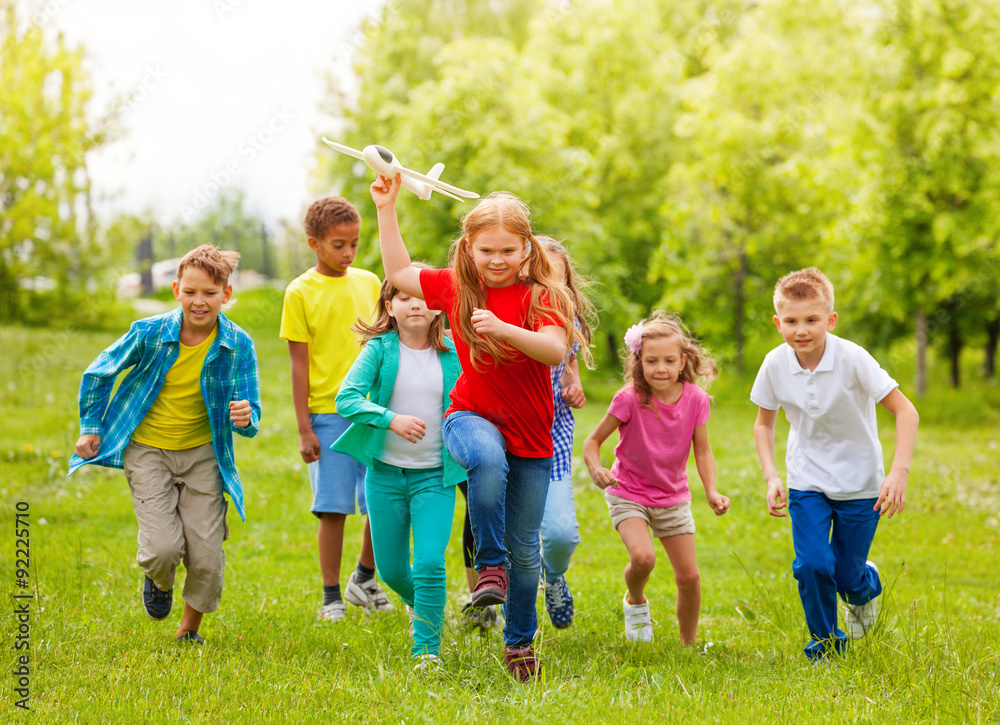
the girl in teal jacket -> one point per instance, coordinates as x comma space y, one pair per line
395, 396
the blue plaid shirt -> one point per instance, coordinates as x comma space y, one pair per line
562, 424
150, 348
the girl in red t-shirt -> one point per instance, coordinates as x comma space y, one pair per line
512, 319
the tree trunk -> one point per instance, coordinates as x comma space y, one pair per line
612, 347
992, 337
739, 308
955, 351
921, 340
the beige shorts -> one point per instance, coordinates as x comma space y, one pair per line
670, 521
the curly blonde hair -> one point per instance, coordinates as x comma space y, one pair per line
699, 368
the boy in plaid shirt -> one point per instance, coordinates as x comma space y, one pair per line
193, 381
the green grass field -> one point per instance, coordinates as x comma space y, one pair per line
96, 657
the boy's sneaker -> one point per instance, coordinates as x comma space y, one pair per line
860, 618
428, 663
157, 603
638, 623
367, 595
521, 662
491, 587
559, 603
333, 612
479, 617
190, 637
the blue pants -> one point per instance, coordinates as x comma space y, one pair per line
399, 498
560, 533
506, 500
831, 540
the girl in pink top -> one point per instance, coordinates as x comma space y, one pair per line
658, 417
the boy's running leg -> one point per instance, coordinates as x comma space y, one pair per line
330, 540
161, 534
813, 568
681, 551
854, 525
432, 507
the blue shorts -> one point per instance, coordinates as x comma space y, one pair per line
336, 478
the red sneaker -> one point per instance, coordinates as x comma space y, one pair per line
491, 587
522, 663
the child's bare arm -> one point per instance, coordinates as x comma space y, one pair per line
308, 442
572, 388
763, 435
892, 494
395, 258
705, 461
547, 345
592, 451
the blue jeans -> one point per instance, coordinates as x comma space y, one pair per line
559, 533
506, 499
400, 499
831, 540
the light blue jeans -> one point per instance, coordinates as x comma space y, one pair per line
560, 530
506, 500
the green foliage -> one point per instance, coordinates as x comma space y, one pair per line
47, 232
689, 153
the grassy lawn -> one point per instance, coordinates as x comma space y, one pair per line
96, 657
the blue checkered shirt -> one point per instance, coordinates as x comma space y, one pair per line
150, 348
562, 424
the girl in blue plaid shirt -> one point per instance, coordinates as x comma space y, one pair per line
559, 533
193, 382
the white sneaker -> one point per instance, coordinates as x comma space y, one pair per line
428, 663
333, 612
860, 619
638, 623
368, 595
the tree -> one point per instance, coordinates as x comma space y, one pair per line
47, 231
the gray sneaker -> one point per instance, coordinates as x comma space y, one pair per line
333, 612
368, 595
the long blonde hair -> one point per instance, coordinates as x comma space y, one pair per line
583, 308
549, 298
384, 322
699, 368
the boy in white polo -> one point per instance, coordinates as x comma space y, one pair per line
837, 487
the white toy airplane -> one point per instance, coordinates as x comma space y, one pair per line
380, 160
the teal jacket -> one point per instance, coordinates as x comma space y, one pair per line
366, 391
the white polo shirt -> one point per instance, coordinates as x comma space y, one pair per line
833, 444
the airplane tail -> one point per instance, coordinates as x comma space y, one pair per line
435, 173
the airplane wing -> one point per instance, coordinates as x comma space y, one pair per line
437, 184
343, 149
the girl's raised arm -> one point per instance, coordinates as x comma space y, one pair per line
395, 258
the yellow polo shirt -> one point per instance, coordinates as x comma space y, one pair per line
178, 419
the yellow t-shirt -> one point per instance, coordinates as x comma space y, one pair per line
178, 419
320, 310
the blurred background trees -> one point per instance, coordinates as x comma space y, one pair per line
687, 152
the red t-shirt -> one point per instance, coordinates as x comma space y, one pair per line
516, 397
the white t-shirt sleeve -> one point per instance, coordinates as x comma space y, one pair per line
876, 381
762, 394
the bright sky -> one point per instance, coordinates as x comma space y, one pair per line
221, 92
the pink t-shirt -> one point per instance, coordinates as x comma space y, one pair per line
651, 457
